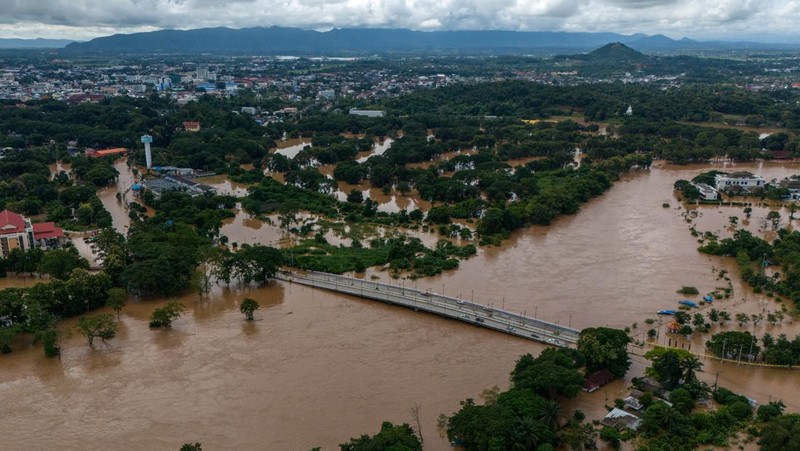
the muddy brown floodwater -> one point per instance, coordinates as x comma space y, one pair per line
318, 368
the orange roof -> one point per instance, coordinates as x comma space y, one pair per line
191, 125
114, 151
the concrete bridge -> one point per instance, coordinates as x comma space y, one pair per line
480, 315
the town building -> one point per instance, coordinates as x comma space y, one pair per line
744, 181
191, 126
17, 232
47, 236
117, 151
173, 183
792, 187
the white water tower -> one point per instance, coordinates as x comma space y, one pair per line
148, 156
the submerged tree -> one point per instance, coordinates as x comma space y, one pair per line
248, 307
116, 300
103, 326
164, 316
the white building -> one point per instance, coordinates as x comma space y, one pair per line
707, 192
368, 113
740, 181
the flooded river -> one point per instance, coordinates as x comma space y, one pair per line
318, 368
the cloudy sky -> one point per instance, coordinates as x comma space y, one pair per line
758, 20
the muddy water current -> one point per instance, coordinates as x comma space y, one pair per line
318, 368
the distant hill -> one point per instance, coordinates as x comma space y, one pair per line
280, 40
615, 52
34, 43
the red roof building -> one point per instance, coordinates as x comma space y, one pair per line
46, 231
11, 223
191, 126
17, 232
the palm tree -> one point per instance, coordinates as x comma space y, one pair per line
668, 417
548, 414
690, 365
529, 434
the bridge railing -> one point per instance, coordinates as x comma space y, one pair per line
418, 299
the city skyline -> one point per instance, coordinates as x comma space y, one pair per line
730, 20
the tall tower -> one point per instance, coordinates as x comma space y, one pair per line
148, 156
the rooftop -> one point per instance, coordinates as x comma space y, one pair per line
11, 222
620, 419
46, 230
598, 379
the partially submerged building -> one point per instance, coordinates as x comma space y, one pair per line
597, 380
743, 182
174, 183
620, 419
707, 192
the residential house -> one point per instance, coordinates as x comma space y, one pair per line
597, 380
620, 419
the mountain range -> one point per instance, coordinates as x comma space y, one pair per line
360, 41
34, 43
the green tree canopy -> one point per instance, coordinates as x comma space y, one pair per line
604, 347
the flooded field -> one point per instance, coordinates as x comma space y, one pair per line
318, 368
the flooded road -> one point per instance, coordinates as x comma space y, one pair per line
318, 368
118, 207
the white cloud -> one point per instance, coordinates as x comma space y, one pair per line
84, 19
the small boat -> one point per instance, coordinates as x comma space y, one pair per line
687, 303
708, 298
666, 312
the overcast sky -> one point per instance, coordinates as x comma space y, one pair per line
758, 20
